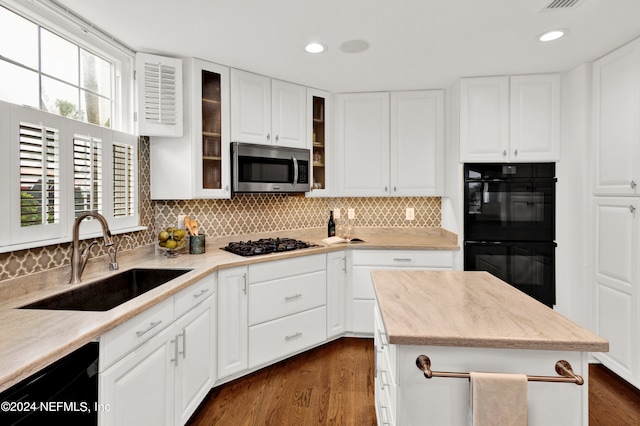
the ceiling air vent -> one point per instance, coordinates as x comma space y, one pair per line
561, 4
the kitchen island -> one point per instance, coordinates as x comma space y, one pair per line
465, 322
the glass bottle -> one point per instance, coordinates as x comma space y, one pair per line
331, 226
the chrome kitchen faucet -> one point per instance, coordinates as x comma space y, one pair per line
79, 259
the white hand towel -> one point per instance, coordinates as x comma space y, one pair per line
498, 399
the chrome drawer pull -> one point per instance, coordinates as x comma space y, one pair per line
294, 297
293, 336
146, 330
175, 352
184, 343
402, 259
203, 291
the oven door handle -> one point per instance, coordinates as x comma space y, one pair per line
295, 170
486, 243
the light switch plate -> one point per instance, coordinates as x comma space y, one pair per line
336, 213
181, 224
351, 213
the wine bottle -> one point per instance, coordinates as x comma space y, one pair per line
331, 227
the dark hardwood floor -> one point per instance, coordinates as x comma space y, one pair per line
612, 401
332, 385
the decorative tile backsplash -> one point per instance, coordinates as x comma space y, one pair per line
243, 214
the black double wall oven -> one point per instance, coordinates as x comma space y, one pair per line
509, 225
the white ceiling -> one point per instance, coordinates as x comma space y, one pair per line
415, 44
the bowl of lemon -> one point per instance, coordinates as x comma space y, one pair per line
171, 241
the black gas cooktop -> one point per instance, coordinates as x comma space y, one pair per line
266, 245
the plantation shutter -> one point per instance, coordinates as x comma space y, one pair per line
87, 174
159, 82
123, 180
40, 190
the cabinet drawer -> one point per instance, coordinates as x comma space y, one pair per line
194, 294
404, 258
269, 271
275, 299
122, 339
284, 336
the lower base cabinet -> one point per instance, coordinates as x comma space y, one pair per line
163, 380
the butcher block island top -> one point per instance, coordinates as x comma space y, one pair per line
472, 309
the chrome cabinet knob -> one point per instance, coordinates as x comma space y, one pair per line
504, 153
515, 153
633, 184
632, 209
268, 137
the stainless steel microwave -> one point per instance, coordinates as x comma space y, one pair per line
265, 168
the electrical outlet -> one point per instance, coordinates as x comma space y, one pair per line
181, 221
351, 213
336, 213
410, 214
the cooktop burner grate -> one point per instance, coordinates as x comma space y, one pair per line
266, 245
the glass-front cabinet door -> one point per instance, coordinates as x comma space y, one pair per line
319, 136
211, 130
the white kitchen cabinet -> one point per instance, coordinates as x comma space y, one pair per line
154, 370
197, 165
139, 389
616, 286
233, 343
159, 86
390, 143
362, 141
510, 119
320, 142
362, 294
287, 307
616, 127
417, 143
196, 345
266, 111
336, 293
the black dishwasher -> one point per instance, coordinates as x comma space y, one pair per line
65, 392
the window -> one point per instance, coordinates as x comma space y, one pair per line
48, 72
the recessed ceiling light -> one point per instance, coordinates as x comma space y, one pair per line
553, 34
354, 46
315, 48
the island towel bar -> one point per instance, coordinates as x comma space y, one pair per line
563, 368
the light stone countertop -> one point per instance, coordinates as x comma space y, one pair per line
32, 339
472, 309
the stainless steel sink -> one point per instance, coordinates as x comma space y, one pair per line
109, 292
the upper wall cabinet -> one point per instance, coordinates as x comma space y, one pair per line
197, 165
417, 143
159, 86
319, 141
266, 111
510, 118
363, 144
390, 143
616, 121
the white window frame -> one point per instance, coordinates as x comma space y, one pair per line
63, 22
